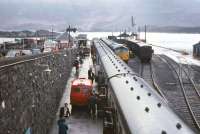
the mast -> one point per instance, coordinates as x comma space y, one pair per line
52, 33
145, 34
132, 24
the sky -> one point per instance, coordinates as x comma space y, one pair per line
95, 15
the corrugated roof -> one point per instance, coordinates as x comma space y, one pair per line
198, 44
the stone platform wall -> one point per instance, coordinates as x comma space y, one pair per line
29, 94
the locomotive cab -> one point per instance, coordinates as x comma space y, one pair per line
81, 91
122, 52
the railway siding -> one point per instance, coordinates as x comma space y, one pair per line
181, 91
189, 93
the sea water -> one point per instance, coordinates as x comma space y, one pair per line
178, 41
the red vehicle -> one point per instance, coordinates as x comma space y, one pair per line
81, 91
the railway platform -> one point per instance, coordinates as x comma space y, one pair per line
79, 122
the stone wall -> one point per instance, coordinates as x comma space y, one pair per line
29, 94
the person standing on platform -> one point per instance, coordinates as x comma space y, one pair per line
66, 110
92, 77
62, 127
92, 105
76, 65
90, 73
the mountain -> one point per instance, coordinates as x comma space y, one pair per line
173, 29
45, 33
26, 33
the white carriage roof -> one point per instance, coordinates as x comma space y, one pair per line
140, 43
142, 108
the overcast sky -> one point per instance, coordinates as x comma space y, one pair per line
98, 14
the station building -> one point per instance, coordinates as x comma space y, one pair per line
196, 50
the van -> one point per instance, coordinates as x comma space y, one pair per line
81, 90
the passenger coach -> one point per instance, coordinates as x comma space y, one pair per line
132, 106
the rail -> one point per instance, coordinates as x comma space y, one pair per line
188, 102
150, 77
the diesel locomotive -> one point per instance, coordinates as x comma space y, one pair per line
139, 48
119, 49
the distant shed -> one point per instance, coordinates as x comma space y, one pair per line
63, 40
196, 50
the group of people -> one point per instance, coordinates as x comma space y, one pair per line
64, 113
93, 100
79, 59
76, 63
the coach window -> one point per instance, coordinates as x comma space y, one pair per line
97, 60
106, 92
117, 120
101, 78
112, 104
120, 130
116, 113
109, 100
117, 127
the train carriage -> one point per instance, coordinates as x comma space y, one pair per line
145, 51
132, 105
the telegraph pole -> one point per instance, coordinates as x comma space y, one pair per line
23, 44
4, 45
145, 34
70, 29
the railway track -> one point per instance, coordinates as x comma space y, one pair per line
146, 72
195, 69
185, 98
194, 72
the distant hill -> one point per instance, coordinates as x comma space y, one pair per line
44, 33
48, 34
26, 33
173, 29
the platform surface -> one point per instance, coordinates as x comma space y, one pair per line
79, 122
